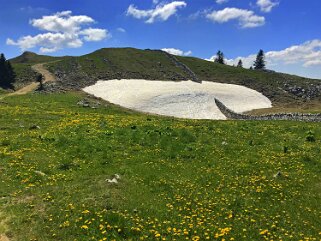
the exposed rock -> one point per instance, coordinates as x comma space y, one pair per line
34, 127
283, 116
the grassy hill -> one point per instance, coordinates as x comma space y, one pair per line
285, 91
33, 58
23, 63
180, 179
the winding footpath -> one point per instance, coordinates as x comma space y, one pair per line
39, 68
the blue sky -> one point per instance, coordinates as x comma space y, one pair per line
287, 30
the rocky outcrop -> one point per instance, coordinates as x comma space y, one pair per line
309, 92
283, 116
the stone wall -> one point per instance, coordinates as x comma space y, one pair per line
282, 116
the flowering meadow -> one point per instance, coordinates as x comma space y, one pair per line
178, 179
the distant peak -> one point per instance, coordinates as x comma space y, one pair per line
28, 53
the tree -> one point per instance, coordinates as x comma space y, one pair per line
240, 64
219, 58
40, 80
7, 74
259, 63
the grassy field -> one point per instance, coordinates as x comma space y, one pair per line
180, 179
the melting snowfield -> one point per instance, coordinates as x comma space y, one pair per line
184, 99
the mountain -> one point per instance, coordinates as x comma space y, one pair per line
129, 63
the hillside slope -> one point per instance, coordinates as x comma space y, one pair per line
128, 63
23, 66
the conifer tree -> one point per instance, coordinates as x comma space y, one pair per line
7, 74
240, 64
219, 58
259, 63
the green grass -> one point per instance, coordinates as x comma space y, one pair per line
3, 91
24, 73
180, 179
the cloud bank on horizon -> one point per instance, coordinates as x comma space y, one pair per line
307, 54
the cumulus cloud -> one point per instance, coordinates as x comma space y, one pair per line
266, 5
178, 52
62, 31
161, 12
94, 34
246, 18
221, 1
307, 54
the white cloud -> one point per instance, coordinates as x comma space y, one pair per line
221, 1
266, 5
63, 31
306, 55
122, 30
161, 12
246, 18
61, 22
94, 34
178, 52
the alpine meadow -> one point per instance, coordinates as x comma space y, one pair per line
160, 120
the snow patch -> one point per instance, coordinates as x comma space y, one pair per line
184, 99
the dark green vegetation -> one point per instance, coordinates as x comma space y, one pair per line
240, 64
180, 179
7, 74
219, 58
260, 60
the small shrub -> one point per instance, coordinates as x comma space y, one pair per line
310, 137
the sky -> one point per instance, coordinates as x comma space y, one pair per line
287, 30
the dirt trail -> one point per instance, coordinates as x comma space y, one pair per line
3, 227
4, 238
48, 77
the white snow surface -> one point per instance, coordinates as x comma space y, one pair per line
184, 99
